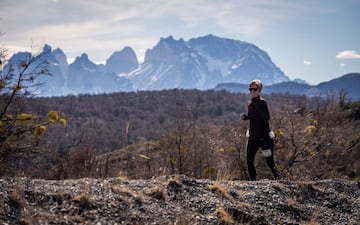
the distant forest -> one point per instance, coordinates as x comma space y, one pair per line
197, 133
112, 121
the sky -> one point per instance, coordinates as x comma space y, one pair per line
313, 40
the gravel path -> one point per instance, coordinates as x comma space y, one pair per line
178, 200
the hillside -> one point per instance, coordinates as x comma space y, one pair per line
178, 199
197, 133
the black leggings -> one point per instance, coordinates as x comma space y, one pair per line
252, 147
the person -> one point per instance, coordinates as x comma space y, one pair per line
259, 133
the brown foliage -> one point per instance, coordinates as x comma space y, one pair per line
198, 133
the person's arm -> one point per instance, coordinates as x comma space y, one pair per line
244, 116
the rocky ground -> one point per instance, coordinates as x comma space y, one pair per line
178, 200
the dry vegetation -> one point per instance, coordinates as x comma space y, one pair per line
196, 133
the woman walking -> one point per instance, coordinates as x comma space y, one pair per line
259, 133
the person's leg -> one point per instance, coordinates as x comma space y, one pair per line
251, 150
271, 164
270, 160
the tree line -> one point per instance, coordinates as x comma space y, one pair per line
193, 132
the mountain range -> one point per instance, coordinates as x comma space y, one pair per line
347, 84
207, 62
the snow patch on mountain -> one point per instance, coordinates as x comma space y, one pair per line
199, 63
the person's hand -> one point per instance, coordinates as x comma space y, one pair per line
242, 116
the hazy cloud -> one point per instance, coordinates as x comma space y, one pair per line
100, 27
348, 55
307, 63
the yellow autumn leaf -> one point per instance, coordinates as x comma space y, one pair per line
39, 130
53, 116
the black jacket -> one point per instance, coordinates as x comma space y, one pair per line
259, 116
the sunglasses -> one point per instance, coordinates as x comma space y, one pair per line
253, 89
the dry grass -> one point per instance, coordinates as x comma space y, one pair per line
223, 174
17, 199
225, 217
290, 203
130, 196
312, 223
219, 188
157, 192
83, 200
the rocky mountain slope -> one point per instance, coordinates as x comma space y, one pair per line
199, 63
202, 63
178, 200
